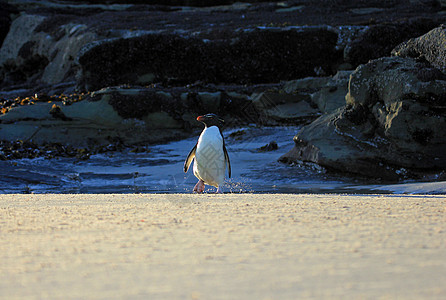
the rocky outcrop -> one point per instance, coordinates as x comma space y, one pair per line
430, 46
378, 40
6, 10
83, 124
330, 97
151, 114
154, 67
34, 57
393, 126
278, 107
261, 56
263, 41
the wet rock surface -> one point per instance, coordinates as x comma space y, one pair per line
98, 74
392, 127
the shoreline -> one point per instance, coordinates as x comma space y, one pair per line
230, 246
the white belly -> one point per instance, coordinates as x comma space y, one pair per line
209, 164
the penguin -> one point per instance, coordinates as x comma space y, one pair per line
209, 154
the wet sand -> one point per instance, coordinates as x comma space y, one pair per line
233, 246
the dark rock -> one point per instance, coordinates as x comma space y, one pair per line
332, 95
135, 115
238, 135
23, 70
186, 61
29, 58
379, 40
56, 112
5, 19
198, 3
281, 107
394, 125
55, 33
262, 56
430, 46
272, 146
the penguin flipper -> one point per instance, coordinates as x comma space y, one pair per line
227, 160
189, 158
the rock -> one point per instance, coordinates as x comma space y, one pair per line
387, 80
57, 113
238, 135
86, 124
394, 124
252, 42
283, 107
30, 56
430, 46
272, 146
161, 66
324, 93
6, 10
260, 56
332, 96
152, 114
210, 101
18, 62
379, 40
305, 86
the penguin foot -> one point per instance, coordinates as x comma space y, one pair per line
199, 187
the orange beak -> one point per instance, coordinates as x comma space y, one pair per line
201, 118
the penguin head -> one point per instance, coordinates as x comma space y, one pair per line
211, 120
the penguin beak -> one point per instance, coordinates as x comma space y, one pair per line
201, 118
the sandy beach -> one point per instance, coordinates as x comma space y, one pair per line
232, 246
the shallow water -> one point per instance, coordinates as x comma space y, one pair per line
160, 170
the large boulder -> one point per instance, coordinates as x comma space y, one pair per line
378, 40
430, 46
31, 56
6, 10
393, 126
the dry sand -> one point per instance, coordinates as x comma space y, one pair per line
232, 246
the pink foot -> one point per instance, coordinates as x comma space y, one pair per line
199, 187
